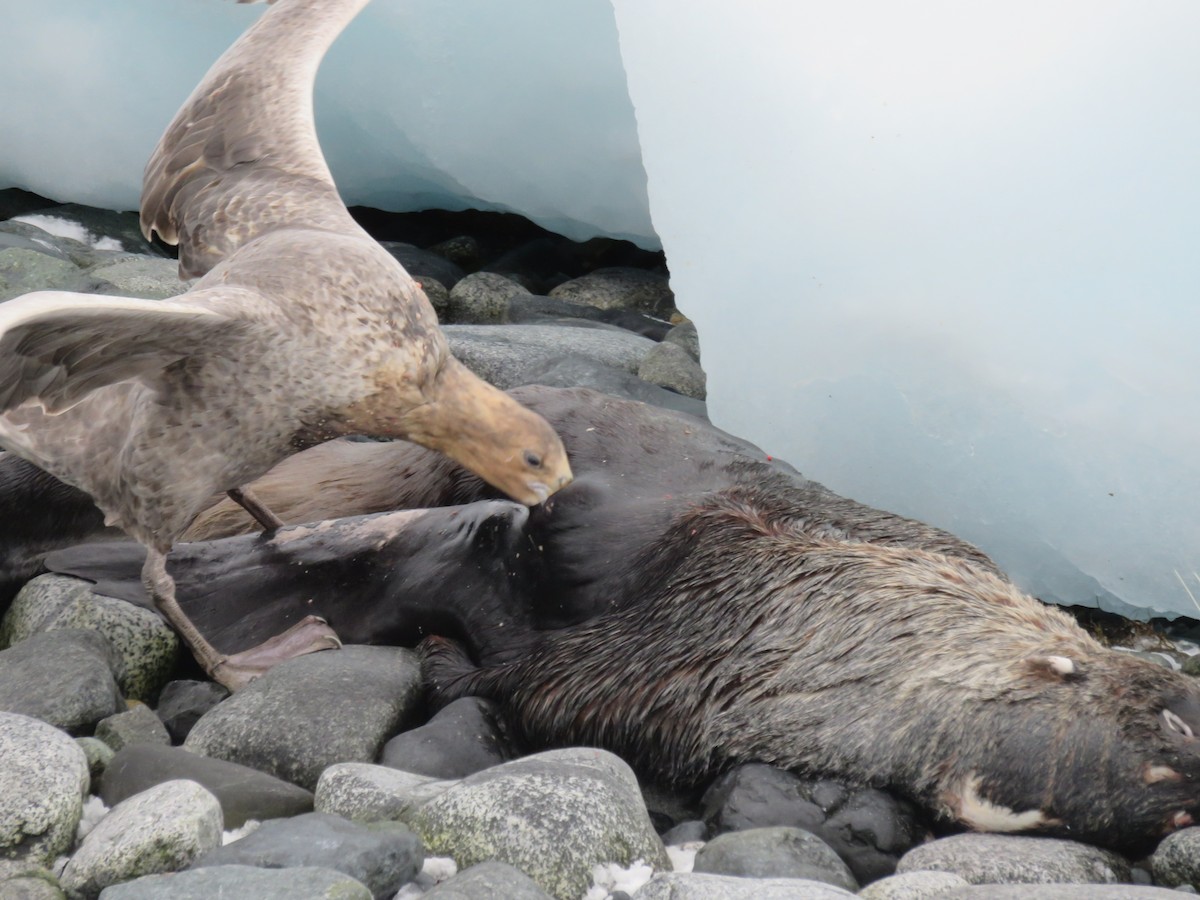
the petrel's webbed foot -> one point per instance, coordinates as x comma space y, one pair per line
309, 635
247, 500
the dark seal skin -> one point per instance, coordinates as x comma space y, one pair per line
691, 604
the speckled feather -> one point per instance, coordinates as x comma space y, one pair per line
303, 327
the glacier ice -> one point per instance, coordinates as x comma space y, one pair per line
941, 256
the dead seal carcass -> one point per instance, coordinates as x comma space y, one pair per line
752, 638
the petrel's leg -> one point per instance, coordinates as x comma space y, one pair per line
308, 635
246, 499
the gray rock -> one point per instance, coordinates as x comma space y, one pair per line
98, 754
553, 815
462, 250
482, 299
438, 297
243, 793
778, 852
243, 883
1058, 892
367, 793
147, 649
151, 277
686, 832
578, 371
182, 703
313, 711
912, 886
422, 264
486, 881
694, 886
23, 270
137, 725
505, 355
31, 241
669, 366
1177, 859
62, 677
1011, 859
867, 828
685, 335
532, 308
159, 830
465, 737
43, 780
31, 887
381, 858
620, 288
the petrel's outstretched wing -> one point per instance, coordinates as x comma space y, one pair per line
57, 347
241, 156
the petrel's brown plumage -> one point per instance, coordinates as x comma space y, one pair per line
301, 328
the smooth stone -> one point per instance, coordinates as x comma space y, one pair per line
31, 887
693, 886
182, 703
136, 725
151, 277
23, 270
505, 354
687, 832
912, 886
438, 297
421, 264
63, 677
147, 649
482, 299
243, 793
869, 829
1176, 860
486, 881
313, 711
1012, 859
1058, 892
686, 336
98, 754
465, 737
43, 780
159, 830
382, 859
579, 371
554, 815
242, 883
533, 308
670, 367
620, 287
462, 250
368, 793
778, 852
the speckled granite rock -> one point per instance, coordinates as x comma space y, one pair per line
693, 886
486, 881
312, 712
1059, 892
553, 815
62, 677
159, 830
152, 277
912, 886
243, 883
136, 725
43, 780
1009, 859
147, 650
1177, 859
778, 852
620, 287
381, 858
98, 754
669, 366
369, 793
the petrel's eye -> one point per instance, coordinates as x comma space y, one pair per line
532, 460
